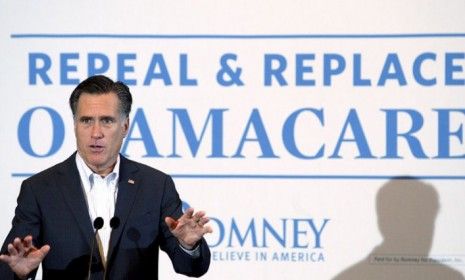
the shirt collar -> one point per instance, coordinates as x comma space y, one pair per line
87, 174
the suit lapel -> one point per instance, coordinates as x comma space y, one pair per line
128, 186
70, 185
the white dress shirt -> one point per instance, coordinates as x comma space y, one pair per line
101, 193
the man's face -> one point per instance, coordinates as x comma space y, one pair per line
100, 130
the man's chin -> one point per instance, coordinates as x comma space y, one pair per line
97, 165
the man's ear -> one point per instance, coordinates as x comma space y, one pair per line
126, 127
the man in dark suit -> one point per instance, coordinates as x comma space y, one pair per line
139, 206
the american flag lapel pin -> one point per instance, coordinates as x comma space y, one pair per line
131, 181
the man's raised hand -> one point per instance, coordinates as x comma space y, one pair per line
23, 257
189, 228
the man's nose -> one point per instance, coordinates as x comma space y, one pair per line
97, 131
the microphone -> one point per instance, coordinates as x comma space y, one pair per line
98, 224
114, 222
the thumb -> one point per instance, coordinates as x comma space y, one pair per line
172, 223
44, 250
208, 229
38, 253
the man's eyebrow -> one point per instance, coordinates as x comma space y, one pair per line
85, 118
107, 118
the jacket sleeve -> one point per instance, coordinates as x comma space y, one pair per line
26, 222
182, 262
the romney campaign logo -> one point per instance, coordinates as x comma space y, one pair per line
267, 239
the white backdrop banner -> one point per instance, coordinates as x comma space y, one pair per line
325, 140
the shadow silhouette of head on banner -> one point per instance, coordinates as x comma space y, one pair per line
407, 209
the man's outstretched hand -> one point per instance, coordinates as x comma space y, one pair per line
189, 228
23, 257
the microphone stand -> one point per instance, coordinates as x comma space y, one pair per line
114, 224
98, 224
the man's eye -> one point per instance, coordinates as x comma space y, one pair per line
86, 121
107, 121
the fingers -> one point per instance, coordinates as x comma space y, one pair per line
16, 248
202, 221
189, 213
27, 245
199, 220
23, 247
191, 219
198, 216
19, 245
27, 241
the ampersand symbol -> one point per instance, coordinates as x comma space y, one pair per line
228, 76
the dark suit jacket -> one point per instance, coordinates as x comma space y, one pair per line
52, 208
